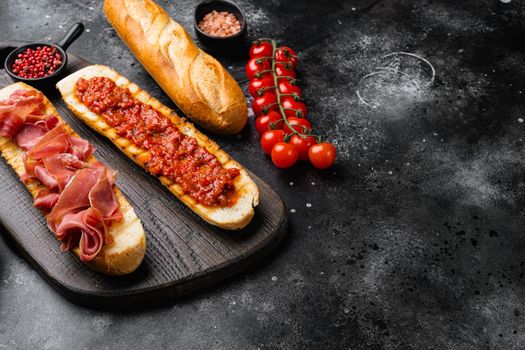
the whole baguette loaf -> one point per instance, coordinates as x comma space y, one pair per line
195, 81
233, 217
128, 247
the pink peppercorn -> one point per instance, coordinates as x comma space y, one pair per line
37, 63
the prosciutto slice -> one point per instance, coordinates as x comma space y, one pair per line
80, 148
78, 190
15, 110
46, 199
54, 141
74, 197
102, 197
29, 136
85, 229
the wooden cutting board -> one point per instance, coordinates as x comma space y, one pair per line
184, 253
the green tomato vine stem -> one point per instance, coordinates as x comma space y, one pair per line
278, 93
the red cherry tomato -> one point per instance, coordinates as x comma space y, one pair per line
262, 49
263, 122
286, 55
322, 155
265, 103
282, 71
256, 66
297, 124
270, 138
302, 145
262, 83
284, 155
285, 86
297, 108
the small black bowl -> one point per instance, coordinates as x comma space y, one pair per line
73, 33
220, 42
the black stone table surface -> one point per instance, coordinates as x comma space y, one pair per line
414, 240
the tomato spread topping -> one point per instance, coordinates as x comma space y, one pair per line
173, 154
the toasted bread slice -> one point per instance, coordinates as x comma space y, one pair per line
128, 247
233, 217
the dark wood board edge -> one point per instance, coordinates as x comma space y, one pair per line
155, 295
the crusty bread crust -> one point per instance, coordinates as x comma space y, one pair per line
197, 83
128, 246
232, 218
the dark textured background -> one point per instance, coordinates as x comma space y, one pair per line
414, 240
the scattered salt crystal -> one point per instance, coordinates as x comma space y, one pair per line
338, 21
520, 120
505, 1
435, 133
353, 9
321, 273
88, 30
313, 183
292, 211
358, 164
346, 310
291, 183
390, 172
408, 163
309, 205
274, 278
47, 16
309, 227
365, 148
233, 303
91, 8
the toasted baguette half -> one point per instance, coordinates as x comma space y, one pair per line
233, 217
128, 247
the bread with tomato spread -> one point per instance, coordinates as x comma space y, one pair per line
245, 194
126, 245
197, 83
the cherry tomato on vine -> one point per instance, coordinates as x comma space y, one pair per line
303, 145
322, 155
255, 84
286, 55
263, 122
261, 49
284, 155
265, 103
286, 86
298, 108
298, 124
257, 65
282, 71
270, 138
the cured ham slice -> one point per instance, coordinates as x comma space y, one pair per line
43, 175
13, 112
102, 197
54, 141
85, 229
82, 211
46, 199
80, 148
29, 136
78, 190
75, 197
